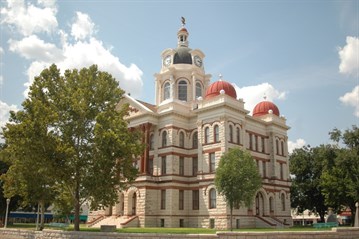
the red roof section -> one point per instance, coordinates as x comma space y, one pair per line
215, 88
263, 108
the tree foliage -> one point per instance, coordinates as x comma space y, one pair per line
72, 130
340, 181
306, 165
327, 175
237, 178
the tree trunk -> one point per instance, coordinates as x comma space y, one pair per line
77, 212
42, 218
231, 218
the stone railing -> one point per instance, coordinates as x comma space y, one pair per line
335, 233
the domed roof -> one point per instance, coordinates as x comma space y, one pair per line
182, 55
215, 89
264, 107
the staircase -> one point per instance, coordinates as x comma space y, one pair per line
268, 222
119, 222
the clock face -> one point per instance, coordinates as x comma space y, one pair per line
198, 61
167, 61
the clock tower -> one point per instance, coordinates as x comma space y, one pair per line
182, 78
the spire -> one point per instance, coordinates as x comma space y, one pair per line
182, 34
220, 77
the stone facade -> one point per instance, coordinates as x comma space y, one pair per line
186, 132
335, 233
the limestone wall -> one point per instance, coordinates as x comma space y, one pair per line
335, 233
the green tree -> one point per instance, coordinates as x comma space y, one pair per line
237, 178
340, 180
306, 166
82, 139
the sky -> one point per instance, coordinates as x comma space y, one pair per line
301, 54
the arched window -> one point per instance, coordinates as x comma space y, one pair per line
216, 134
195, 140
282, 147
166, 91
164, 138
151, 142
231, 133
206, 135
182, 90
282, 199
238, 135
277, 146
181, 139
198, 90
212, 198
271, 208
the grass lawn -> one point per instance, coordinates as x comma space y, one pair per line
162, 230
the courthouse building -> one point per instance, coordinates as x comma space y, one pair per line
191, 125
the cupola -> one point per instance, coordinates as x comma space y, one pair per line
220, 87
265, 107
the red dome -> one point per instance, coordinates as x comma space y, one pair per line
264, 107
215, 88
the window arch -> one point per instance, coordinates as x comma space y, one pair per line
230, 133
181, 139
195, 140
206, 135
152, 142
166, 91
212, 198
198, 90
182, 90
164, 138
271, 205
216, 133
282, 199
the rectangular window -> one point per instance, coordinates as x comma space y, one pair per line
181, 223
256, 142
281, 171
264, 169
212, 162
150, 166
195, 199
211, 223
263, 145
162, 222
194, 166
180, 200
163, 199
237, 223
250, 142
181, 166
163, 165
238, 135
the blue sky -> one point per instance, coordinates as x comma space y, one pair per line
303, 55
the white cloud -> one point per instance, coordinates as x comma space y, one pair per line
349, 57
255, 94
295, 145
352, 99
4, 113
83, 51
34, 48
83, 26
28, 19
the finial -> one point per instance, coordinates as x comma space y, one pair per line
265, 97
220, 76
183, 20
